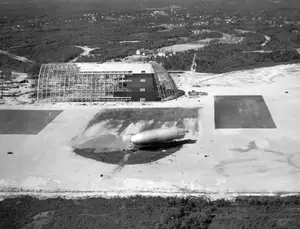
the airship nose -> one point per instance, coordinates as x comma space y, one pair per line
135, 138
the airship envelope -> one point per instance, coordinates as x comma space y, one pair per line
158, 136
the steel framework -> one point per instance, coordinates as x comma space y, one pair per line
64, 83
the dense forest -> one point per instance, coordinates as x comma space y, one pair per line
250, 53
180, 61
50, 34
7, 63
219, 58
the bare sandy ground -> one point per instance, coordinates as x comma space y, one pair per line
222, 163
266, 41
183, 47
85, 51
227, 38
15, 92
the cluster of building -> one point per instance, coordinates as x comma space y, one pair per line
152, 53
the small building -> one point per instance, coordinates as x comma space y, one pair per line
196, 32
145, 52
165, 53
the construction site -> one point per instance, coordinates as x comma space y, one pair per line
71, 143
93, 82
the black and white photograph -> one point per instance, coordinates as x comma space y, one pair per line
149, 114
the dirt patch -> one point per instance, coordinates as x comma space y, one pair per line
183, 47
151, 212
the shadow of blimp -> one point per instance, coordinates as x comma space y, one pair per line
106, 137
142, 155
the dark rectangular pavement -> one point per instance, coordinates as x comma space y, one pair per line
26, 121
242, 112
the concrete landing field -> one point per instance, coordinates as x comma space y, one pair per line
81, 150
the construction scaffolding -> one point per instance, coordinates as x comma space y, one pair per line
64, 83
84, 82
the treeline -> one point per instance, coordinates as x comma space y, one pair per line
154, 41
180, 61
114, 50
15, 65
54, 52
219, 58
205, 35
252, 41
285, 37
282, 36
58, 44
7, 62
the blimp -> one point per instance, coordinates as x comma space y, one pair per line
157, 136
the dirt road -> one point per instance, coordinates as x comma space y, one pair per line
85, 52
13, 56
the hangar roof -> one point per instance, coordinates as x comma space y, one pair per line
115, 66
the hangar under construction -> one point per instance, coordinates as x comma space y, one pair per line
94, 82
